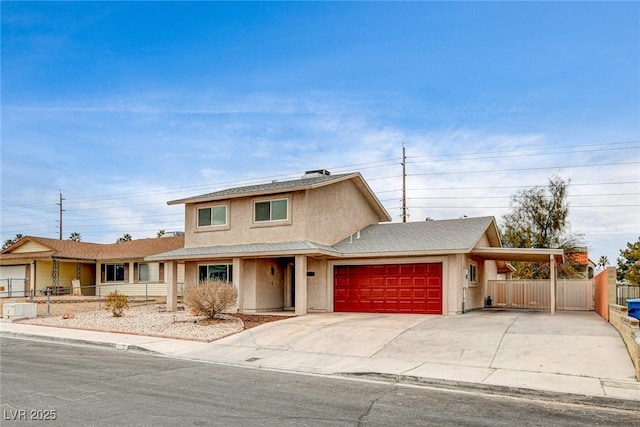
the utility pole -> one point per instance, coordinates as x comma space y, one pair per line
61, 210
404, 184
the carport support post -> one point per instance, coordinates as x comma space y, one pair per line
172, 285
552, 276
301, 285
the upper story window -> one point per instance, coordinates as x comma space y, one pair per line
271, 210
212, 216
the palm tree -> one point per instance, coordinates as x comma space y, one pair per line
10, 242
75, 236
603, 261
126, 237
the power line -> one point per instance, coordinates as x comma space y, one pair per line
524, 169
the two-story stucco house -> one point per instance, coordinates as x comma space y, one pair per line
325, 243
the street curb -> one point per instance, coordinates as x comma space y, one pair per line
551, 396
100, 344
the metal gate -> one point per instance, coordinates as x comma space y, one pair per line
571, 295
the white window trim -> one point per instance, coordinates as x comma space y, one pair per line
271, 222
212, 227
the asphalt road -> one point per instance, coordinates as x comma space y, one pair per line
44, 383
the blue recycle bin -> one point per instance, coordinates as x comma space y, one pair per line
634, 307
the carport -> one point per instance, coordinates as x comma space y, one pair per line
540, 255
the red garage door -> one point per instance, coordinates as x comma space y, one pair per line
389, 288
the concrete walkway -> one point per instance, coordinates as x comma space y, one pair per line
566, 356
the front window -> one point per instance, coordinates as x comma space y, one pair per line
212, 216
271, 210
149, 272
222, 272
114, 272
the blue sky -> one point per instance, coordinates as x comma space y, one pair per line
124, 106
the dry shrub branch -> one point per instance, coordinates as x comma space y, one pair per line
210, 297
117, 303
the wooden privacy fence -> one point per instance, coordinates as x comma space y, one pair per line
536, 294
625, 292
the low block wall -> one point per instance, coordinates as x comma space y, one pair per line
604, 291
629, 330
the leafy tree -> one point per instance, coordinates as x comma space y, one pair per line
10, 242
160, 233
629, 263
538, 219
126, 237
75, 236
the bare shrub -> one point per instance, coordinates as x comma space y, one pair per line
210, 297
116, 303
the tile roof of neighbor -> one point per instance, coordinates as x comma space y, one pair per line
271, 187
453, 235
68, 249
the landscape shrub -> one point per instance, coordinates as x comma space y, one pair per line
117, 303
210, 297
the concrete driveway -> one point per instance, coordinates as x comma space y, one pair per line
572, 352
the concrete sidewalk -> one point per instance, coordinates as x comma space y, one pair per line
567, 356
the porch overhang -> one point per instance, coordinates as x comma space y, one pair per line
550, 256
520, 254
257, 250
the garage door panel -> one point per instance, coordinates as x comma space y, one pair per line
391, 288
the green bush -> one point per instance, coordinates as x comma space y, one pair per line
210, 297
116, 303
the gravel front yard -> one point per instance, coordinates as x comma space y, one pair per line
147, 319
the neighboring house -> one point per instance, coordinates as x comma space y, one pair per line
320, 243
585, 266
37, 264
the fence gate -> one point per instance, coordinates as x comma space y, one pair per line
536, 294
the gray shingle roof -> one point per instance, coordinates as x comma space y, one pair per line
428, 236
286, 248
272, 187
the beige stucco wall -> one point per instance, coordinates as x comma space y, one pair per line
319, 215
249, 284
334, 212
452, 286
317, 287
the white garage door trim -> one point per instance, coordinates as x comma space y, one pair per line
13, 278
